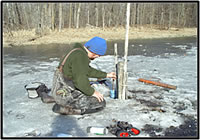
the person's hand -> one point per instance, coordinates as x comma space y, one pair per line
99, 96
111, 75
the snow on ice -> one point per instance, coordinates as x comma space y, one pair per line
156, 111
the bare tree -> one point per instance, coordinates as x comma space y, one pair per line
60, 17
88, 15
103, 16
152, 15
110, 16
25, 16
38, 28
70, 15
18, 14
75, 13
162, 17
97, 14
78, 14
133, 14
142, 15
49, 16
10, 18
137, 14
183, 15
41, 15
13, 14
52, 16
170, 16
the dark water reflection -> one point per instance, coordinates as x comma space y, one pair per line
146, 47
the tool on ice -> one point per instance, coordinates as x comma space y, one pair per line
157, 83
113, 91
123, 129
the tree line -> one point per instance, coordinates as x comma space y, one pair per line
40, 16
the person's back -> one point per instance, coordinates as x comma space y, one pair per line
71, 87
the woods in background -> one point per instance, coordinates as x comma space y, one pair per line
52, 16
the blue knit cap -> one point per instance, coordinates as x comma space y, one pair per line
97, 45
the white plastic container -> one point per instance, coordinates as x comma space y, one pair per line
97, 130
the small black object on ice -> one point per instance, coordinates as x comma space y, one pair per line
122, 129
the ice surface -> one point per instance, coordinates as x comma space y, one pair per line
147, 106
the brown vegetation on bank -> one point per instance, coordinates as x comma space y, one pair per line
67, 36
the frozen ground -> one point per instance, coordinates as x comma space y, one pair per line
156, 111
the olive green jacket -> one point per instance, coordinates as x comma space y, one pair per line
77, 68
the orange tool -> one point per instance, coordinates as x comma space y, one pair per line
157, 83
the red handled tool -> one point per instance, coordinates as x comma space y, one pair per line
123, 129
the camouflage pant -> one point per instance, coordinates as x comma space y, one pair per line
66, 95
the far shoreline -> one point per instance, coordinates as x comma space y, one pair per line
57, 44
70, 36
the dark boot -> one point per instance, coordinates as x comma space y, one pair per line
65, 110
89, 111
46, 98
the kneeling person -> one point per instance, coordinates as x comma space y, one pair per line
71, 87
